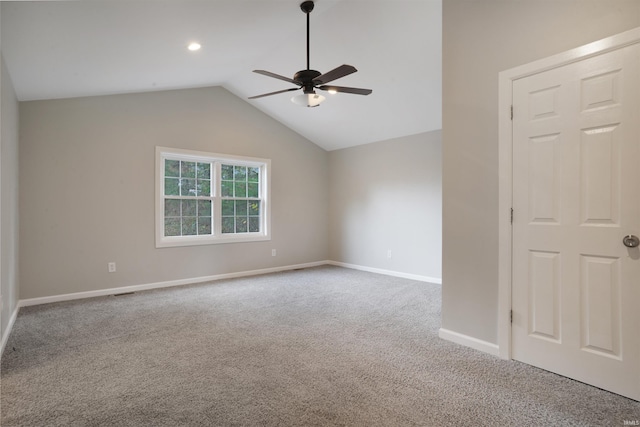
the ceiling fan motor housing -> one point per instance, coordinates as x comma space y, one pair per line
305, 78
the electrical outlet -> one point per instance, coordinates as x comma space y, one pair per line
111, 267
389, 254
273, 252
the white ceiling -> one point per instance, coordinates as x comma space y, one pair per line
61, 49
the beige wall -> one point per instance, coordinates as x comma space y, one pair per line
87, 182
87, 189
388, 196
480, 39
8, 198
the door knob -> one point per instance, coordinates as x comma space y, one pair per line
631, 241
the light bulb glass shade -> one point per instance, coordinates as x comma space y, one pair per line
308, 99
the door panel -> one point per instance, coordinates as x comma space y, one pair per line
600, 176
576, 194
545, 165
600, 305
544, 295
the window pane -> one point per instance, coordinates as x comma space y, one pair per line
241, 208
241, 225
254, 208
254, 175
171, 207
204, 225
227, 208
188, 208
227, 188
204, 171
172, 226
171, 187
189, 226
172, 168
203, 188
254, 224
227, 172
240, 173
188, 187
252, 189
227, 224
204, 208
191, 184
241, 189
188, 169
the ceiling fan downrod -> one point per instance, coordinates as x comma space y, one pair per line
307, 7
306, 76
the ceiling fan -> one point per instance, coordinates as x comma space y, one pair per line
308, 79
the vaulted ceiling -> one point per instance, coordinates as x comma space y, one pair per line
61, 49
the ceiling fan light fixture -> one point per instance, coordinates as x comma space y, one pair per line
308, 99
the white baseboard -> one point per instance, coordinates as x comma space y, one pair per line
158, 285
189, 281
7, 332
468, 341
434, 280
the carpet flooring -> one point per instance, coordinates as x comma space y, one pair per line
323, 346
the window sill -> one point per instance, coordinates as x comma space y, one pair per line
172, 242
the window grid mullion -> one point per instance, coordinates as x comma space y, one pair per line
216, 209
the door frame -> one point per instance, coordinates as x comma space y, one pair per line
505, 162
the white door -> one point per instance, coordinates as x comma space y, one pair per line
576, 195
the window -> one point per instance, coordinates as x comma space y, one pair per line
206, 198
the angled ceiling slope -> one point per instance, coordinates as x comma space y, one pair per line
62, 49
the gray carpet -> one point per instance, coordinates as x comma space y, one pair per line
318, 347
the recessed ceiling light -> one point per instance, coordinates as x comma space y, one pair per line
194, 46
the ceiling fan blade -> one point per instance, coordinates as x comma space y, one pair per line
274, 93
354, 90
276, 76
336, 73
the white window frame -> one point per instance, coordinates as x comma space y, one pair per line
216, 160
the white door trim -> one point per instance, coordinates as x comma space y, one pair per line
505, 178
